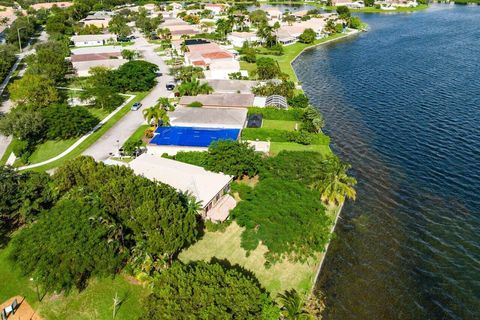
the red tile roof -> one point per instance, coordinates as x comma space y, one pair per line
217, 55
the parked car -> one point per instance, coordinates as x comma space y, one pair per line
170, 86
136, 106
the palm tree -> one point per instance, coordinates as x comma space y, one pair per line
165, 104
156, 114
193, 88
292, 305
193, 206
334, 183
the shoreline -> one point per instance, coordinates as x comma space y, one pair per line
339, 211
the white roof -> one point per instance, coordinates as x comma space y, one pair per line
92, 37
208, 117
202, 184
84, 66
102, 49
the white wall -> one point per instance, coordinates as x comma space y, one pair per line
89, 43
170, 150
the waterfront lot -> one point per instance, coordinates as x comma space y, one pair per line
280, 124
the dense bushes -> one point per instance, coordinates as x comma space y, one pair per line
7, 59
136, 75
295, 227
208, 291
106, 216
70, 243
283, 88
267, 68
64, 122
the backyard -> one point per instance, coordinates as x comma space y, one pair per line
95, 302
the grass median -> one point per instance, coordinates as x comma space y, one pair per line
95, 136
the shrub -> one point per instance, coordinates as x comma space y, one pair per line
308, 36
299, 101
149, 133
131, 146
267, 68
233, 158
301, 137
197, 158
195, 104
295, 227
64, 122
249, 55
203, 290
284, 88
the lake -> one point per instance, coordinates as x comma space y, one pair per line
402, 105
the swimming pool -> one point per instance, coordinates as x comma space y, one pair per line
191, 136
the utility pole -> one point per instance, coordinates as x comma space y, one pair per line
19, 41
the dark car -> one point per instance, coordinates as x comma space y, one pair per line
136, 106
170, 86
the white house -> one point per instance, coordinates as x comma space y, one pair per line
239, 38
208, 117
274, 14
210, 188
216, 8
89, 40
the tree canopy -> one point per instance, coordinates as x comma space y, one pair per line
232, 157
64, 122
203, 290
308, 36
34, 90
136, 75
267, 68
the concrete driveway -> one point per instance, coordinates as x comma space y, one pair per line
114, 138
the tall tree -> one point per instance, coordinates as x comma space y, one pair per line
49, 61
157, 114
118, 25
34, 90
334, 183
99, 88
194, 87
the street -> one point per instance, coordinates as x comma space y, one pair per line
114, 138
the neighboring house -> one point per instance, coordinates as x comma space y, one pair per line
89, 40
274, 15
178, 28
7, 13
217, 62
231, 86
82, 68
216, 8
49, 5
99, 20
208, 117
288, 34
299, 14
221, 100
209, 188
239, 38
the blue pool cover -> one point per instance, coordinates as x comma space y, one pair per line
192, 137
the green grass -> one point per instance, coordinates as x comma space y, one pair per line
226, 245
375, 10
50, 149
7, 153
138, 135
276, 147
250, 67
98, 112
95, 302
280, 124
95, 136
293, 50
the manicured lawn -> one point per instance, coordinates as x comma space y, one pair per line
280, 124
95, 136
50, 149
291, 51
250, 67
95, 302
226, 245
98, 112
138, 135
276, 147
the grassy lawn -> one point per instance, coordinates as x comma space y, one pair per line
226, 245
138, 135
98, 112
250, 67
95, 136
293, 50
276, 147
279, 124
95, 302
50, 149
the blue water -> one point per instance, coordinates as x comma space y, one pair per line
402, 105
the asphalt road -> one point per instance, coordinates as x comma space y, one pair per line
114, 138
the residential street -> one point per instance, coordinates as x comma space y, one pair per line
114, 138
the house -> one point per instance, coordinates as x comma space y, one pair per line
7, 14
208, 117
231, 86
49, 5
98, 19
221, 100
82, 68
209, 188
178, 28
288, 34
239, 38
216, 8
217, 62
171, 140
89, 40
274, 14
